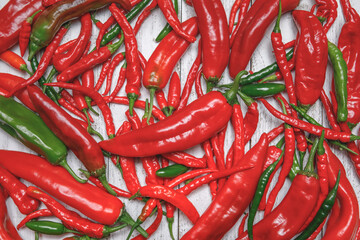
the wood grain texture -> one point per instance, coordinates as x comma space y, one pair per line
201, 198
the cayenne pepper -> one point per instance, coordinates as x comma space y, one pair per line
14, 60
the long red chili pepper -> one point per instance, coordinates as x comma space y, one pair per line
119, 84
220, 161
7, 229
214, 33
244, 5
231, 197
39, 213
14, 60
329, 111
313, 129
239, 141
310, 58
62, 61
114, 63
143, 15
58, 183
17, 191
328, 9
110, 21
252, 29
44, 62
103, 74
133, 69
162, 62
65, 47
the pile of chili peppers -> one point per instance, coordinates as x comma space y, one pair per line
61, 106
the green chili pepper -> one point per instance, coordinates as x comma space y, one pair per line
322, 213
262, 89
165, 31
114, 32
171, 171
340, 80
264, 179
48, 227
303, 114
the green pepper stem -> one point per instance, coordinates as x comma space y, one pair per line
88, 101
248, 100
230, 94
277, 24
115, 46
49, 78
152, 91
65, 165
321, 149
126, 218
310, 164
90, 129
280, 143
107, 230
132, 98
170, 225
284, 111
24, 68
133, 227
106, 185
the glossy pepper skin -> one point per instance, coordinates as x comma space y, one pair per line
190, 126
12, 16
310, 58
93, 202
252, 29
236, 195
51, 19
215, 34
7, 229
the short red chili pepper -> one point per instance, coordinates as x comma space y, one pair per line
174, 92
251, 118
133, 69
161, 100
185, 159
14, 60
7, 229
231, 197
275, 132
62, 61
239, 129
17, 191
44, 62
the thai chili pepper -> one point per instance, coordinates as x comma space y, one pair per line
104, 71
177, 199
251, 118
313, 129
243, 8
287, 164
114, 63
8, 81
133, 69
310, 58
252, 30
72, 134
49, 228
17, 191
231, 197
14, 60
109, 123
51, 19
13, 14
65, 47
44, 62
313, 121
345, 224
262, 89
144, 14
7, 229
235, 7
88, 199
62, 61
275, 132
167, 28
214, 33
25, 31
161, 100
329, 112
39, 213
340, 81
74, 221
259, 193
111, 20
167, 8
174, 92
119, 83
114, 32
162, 62
73, 110
171, 171
190, 79
239, 142
220, 161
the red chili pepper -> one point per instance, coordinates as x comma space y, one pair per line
12, 15
143, 15
203, 125
343, 225
7, 229
161, 100
104, 71
244, 5
239, 129
133, 69
211, 165
65, 47
39, 213
118, 191
17, 191
329, 112
47, 3
162, 62
44, 62
275, 132
114, 63
14, 60
328, 9
231, 197
252, 30
251, 120
88, 199
72, 134
214, 33
220, 161
313, 129
242, 224
119, 83
310, 65
62, 61
110, 21
174, 92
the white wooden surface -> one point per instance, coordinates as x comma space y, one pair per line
201, 198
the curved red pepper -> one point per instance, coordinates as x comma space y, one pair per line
192, 125
7, 229
310, 58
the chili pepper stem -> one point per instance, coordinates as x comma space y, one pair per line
170, 224
65, 165
107, 230
132, 98
90, 129
106, 185
211, 83
126, 218
171, 110
152, 91
23, 67
230, 94
49, 78
88, 102
248, 100
133, 227
301, 158
166, 111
